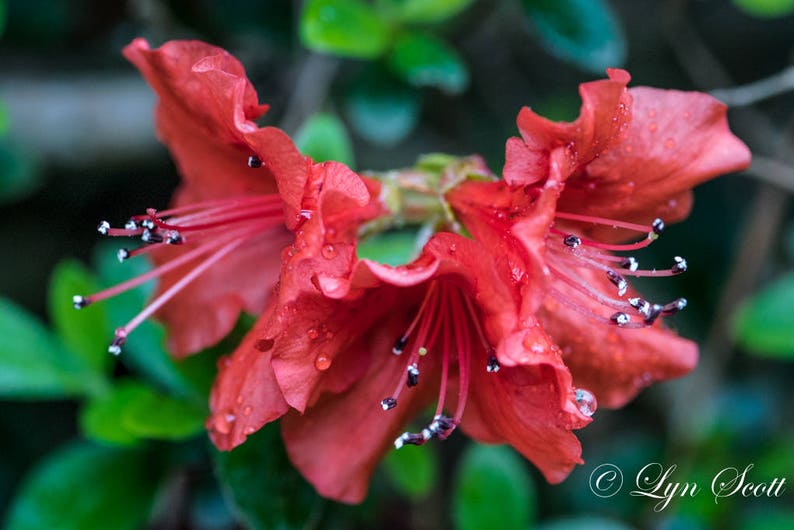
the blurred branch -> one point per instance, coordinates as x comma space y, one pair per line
773, 172
80, 121
310, 90
760, 90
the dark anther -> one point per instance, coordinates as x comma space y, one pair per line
493, 364
413, 375
149, 236
620, 318
674, 307
388, 403
412, 438
148, 224
79, 302
679, 266
174, 238
103, 228
657, 226
131, 225
116, 344
122, 254
618, 281
399, 345
254, 161
572, 241
630, 263
641, 305
653, 313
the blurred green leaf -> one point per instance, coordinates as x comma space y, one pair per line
427, 11
583, 523
381, 109
584, 32
324, 137
423, 60
19, 176
350, 28
2, 29
395, 247
143, 351
3, 110
34, 364
765, 324
766, 8
263, 487
83, 487
771, 519
81, 331
413, 470
493, 491
133, 411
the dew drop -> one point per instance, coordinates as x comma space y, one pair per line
247, 410
328, 251
249, 430
312, 333
586, 402
322, 362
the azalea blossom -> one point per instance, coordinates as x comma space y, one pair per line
216, 249
518, 283
627, 166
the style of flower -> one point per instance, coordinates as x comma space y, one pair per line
626, 166
351, 350
216, 249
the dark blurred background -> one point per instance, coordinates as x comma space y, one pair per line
78, 146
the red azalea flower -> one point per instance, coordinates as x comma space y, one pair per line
217, 247
629, 161
352, 350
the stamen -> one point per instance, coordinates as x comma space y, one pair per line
493, 364
653, 313
657, 226
151, 237
618, 281
118, 341
674, 307
572, 241
410, 438
630, 263
131, 225
388, 403
254, 162
413, 375
679, 266
103, 228
399, 344
80, 302
122, 254
608, 222
621, 319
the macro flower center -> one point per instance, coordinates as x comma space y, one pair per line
207, 231
446, 330
574, 259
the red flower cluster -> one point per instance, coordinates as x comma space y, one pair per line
512, 319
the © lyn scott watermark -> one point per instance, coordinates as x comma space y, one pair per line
657, 482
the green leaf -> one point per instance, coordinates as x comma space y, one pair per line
381, 109
413, 470
3, 109
583, 523
19, 176
493, 491
34, 364
395, 247
423, 60
134, 411
263, 487
350, 28
324, 137
84, 331
82, 486
765, 324
427, 11
766, 8
585, 32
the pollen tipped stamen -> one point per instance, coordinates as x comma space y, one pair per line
627, 247
609, 222
412, 375
122, 254
399, 345
388, 403
620, 319
118, 341
79, 301
564, 300
410, 438
493, 364
151, 237
575, 281
674, 307
618, 281
254, 162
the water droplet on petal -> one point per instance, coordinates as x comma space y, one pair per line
249, 430
322, 362
312, 333
328, 251
586, 402
247, 410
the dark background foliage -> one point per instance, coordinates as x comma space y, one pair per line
91, 442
